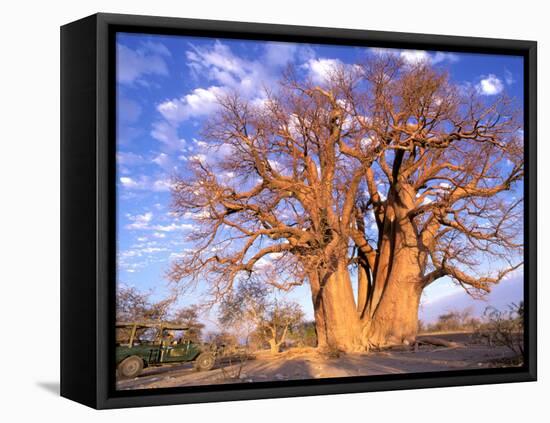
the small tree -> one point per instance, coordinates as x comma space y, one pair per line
304, 334
455, 320
506, 327
281, 317
189, 316
223, 340
272, 319
449, 321
134, 305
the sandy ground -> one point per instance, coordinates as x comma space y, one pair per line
308, 364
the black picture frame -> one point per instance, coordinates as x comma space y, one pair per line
88, 199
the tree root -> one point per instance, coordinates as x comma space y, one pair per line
438, 342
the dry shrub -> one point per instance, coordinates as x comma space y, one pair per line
504, 327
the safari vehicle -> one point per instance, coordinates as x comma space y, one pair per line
144, 344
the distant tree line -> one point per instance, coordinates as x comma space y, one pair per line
453, 320
492, 319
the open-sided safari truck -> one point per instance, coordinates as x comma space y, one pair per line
144, 344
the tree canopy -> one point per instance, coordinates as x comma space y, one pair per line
388, 167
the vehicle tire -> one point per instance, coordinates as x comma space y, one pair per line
130, 367
205, 361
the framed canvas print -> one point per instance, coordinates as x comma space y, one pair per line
257, 211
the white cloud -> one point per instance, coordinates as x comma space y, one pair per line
224, 72
441, 56
264, 262
174, 256
321, 69
173, 227
490, 85
200, 102
228, 175
128, 158
133, 65
128, 182
229, 72
268, 261
207, 153
140, 221
200, 143
218, 60
145, 183
366, 142
149, 250
203, 214
144, 222
156, 47
161, 185
138, 257
201, 158
279, 54
277, 166
414, 57
379, 51
164, 161
167, 134
161, 159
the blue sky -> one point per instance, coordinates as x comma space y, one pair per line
166, 87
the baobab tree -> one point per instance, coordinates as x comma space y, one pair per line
387, 173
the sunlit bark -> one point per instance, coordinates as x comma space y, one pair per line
387, 169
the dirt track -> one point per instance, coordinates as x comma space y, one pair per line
308, 364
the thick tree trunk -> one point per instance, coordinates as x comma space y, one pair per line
336, 318
395, 319
394, 312
386, 310
274, 346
